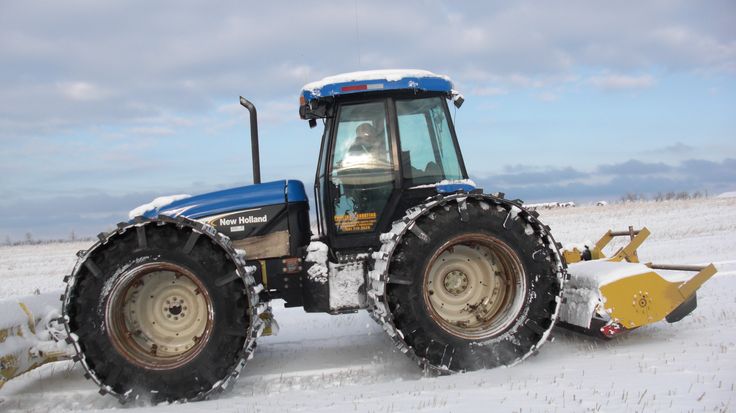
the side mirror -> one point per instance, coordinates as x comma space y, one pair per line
457, 98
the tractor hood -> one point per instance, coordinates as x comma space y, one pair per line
220, 202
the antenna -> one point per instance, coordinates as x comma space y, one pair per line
357, 32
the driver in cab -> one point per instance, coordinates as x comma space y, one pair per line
367, 141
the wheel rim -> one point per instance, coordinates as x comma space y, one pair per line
474, 286
160, 315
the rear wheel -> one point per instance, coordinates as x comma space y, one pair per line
474, 286
162, 310
477, 286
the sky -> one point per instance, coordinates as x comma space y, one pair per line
106, 105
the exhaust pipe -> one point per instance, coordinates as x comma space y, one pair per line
253, 139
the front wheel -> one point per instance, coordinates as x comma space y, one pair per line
159, 314
472, 284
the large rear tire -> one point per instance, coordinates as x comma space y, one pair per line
474, 283
162, 310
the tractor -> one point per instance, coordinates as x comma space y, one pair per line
168, 306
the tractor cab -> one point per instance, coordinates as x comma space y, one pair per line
388, 142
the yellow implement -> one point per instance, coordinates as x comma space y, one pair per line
630, 294
28, 338
645, 298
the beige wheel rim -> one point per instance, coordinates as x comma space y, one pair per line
474, 286
160, 315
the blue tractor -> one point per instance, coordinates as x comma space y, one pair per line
169, 305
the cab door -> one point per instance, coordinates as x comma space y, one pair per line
361, 175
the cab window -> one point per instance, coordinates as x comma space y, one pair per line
428, 153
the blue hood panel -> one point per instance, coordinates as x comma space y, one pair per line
234, 199
452, 188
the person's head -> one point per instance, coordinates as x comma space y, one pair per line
365, 132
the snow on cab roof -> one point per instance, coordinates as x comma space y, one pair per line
376, 80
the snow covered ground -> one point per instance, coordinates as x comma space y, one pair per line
346, 363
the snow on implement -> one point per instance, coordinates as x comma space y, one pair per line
31, 335
606, 296
169, 305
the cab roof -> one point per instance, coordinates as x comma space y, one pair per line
376, 81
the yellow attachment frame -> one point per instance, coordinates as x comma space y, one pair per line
643, 297
628, 252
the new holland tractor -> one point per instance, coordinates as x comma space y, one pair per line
168, 306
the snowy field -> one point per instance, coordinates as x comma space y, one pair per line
346, 363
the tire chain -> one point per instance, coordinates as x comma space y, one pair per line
252, 289
379, 276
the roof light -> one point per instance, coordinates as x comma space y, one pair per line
354, 88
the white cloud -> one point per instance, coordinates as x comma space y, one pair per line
547, 96
619, 82
488, 91
152, 131
694, 46
300, 73
82, 91
231, 109
206, 55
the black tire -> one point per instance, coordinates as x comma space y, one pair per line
127, 354
501, 330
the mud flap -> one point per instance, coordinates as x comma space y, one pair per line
683, 309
